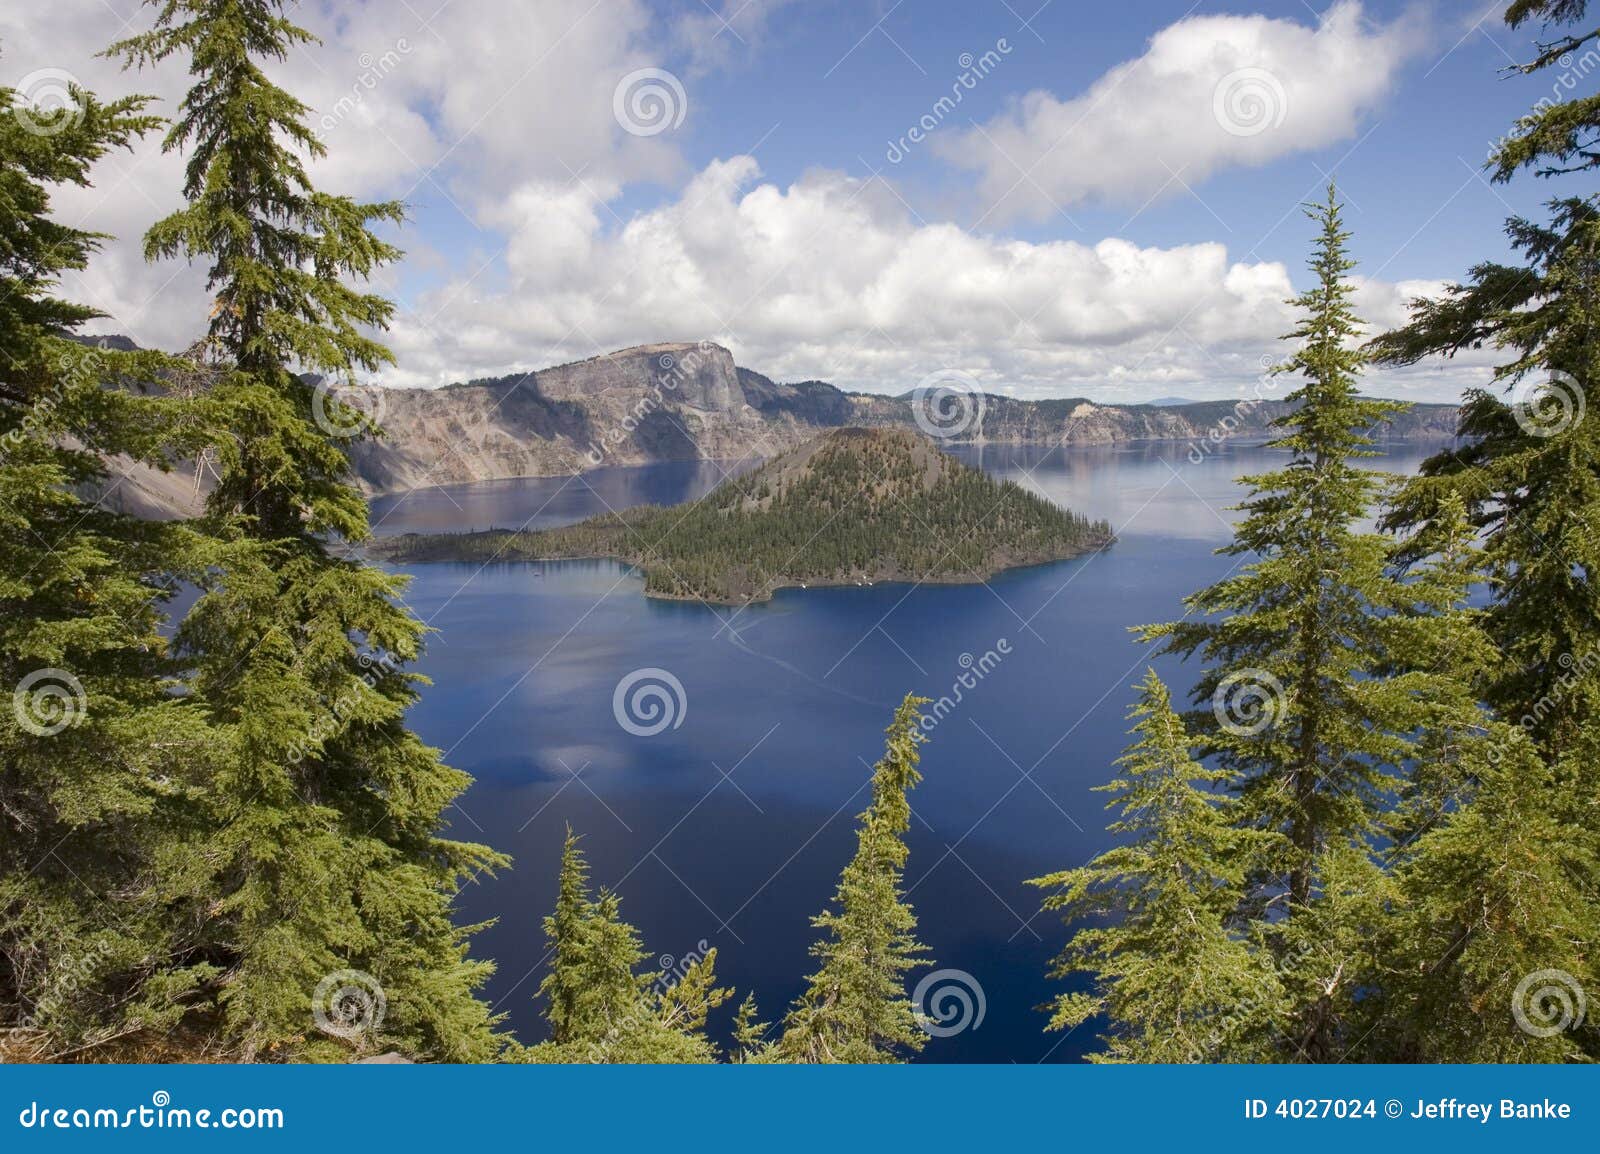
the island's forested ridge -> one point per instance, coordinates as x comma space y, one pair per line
852, 506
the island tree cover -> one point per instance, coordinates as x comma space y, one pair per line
850, 506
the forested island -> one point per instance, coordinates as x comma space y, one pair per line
850, 507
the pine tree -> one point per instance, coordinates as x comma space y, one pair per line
1557, 136
1530, 472
1302, 654
1172, 974
324, 853
855, 1007
1528, 476
600, 1007
99, 760
1487, 883
750, 1043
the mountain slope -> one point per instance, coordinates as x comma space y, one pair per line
850, 507
685, 401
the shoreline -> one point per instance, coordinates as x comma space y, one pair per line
768, 593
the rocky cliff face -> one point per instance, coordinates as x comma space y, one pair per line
676, 401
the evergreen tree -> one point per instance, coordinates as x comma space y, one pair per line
1304, 651
1557, 136
750, 1042
855, 1007
99, 760
1488, 876
1529, 479
324, 852
600, 1007
1530, 472
1172, 974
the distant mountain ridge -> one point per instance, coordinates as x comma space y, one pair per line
676, 401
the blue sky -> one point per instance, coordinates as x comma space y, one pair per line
1091, 220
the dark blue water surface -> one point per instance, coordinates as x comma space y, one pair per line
731, 827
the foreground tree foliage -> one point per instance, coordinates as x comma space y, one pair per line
855, 1007
1171, 975
322, 850
1307, 700
1365, 865
99, 762
600, 1006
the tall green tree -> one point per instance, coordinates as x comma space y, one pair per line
1489, 924
1528, 476
324, 852
855, 1007
1168, 966
600, 1006
1304, 651
99, 760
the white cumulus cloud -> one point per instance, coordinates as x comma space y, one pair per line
1210, 92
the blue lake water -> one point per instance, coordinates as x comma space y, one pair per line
730, 827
